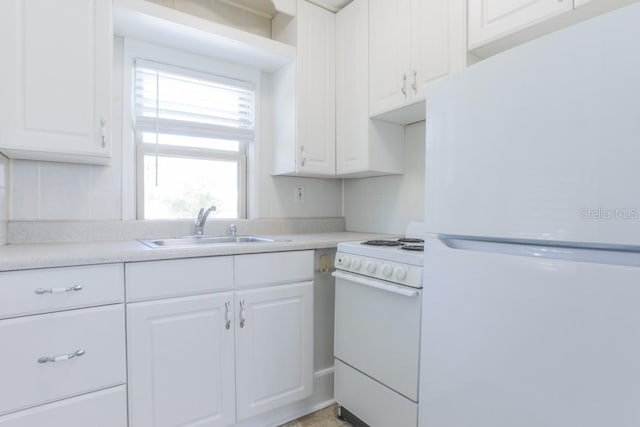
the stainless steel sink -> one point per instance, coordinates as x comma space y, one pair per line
189, 241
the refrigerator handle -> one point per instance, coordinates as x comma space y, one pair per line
611, 256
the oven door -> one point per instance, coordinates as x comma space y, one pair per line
377, 330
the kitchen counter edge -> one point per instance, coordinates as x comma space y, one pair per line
45, 255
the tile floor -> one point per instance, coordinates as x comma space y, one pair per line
324, 418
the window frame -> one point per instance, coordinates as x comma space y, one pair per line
163, 150
133, 147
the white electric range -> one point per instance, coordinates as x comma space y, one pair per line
377, 330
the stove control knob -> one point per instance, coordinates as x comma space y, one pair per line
356, 264
344, 261
400, 273
387, 270
371, 267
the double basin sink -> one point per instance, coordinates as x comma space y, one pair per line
191, 241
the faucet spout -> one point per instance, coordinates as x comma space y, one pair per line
201, 219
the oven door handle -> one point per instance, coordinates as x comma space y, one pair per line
375, 284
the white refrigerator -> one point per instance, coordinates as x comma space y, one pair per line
531, 302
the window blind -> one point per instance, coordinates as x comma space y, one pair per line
179, 101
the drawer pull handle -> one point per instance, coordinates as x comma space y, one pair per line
61, 357
42, 291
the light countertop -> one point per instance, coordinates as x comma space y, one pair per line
41, 255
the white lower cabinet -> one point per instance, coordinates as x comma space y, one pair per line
181, 358
63, 339
220, 356
274, 347
58, 355
106, 408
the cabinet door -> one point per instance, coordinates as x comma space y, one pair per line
274, 347
352, 87
389, 55
492, 19
430, 43
56, 79
315, 82
181, 362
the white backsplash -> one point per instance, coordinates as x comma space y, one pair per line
20, 232
59, 191
387, 204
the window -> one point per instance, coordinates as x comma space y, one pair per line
191, 132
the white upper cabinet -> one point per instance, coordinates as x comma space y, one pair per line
497, 25
491, 19
304, 94
409, 46
430, 43
364, 147
56, 80
390, 54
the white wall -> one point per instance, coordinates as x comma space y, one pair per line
386, 204
4, 184
60, 191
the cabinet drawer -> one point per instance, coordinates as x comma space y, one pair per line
280, 267
180, 277
26, 381
105, 408
54, 289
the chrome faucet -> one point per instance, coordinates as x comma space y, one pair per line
233, 230
202, 218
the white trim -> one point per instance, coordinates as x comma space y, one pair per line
136, 49
323, 372
192, 152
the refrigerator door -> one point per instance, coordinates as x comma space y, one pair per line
542, 141
529, 336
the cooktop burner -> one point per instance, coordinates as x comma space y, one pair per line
382, 243
410, 240
417, 248
407, 243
